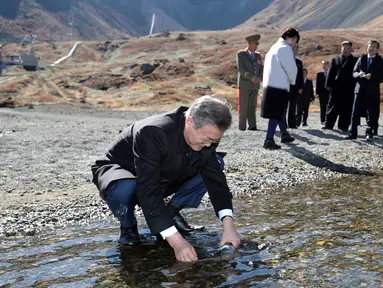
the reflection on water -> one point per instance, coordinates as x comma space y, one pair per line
324, 235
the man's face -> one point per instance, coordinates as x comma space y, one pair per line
202, 137
253, 45
346, 50
305, 73
372, 48
325, 66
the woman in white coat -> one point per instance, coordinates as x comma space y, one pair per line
280, 71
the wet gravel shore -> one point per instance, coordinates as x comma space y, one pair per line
46, 153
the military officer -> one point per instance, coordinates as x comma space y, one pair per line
250, 73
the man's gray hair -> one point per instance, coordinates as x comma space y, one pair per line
210, 110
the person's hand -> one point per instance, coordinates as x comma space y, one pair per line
300, 91
329, 89
362, 74
367, 76
318, 96
255, 80
229, 234
183, 250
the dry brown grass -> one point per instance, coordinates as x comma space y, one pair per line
208, 62
15, 85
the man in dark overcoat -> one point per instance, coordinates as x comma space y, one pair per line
369, 73
341, 84
321, 91
304, 99
165, 154
250, 73
296, 91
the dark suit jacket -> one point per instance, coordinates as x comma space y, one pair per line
372, 86
340, 77
307, 94
320, 85
154, 152
299, 80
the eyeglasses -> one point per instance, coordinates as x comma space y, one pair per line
206, 140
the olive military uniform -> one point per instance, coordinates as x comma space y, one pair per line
249, 65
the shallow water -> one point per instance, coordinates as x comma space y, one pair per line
324, 235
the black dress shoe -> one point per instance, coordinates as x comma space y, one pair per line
180, 222
350, 137
183, 226
252, 128
369, 138
287, 138
129, 236
304, 124
270, 145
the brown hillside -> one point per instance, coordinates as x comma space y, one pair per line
101, 73
317, 14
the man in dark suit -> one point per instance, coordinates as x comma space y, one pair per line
304, 99
321, 92
341, 84
295, 91
369, 73
250, 73
171, 153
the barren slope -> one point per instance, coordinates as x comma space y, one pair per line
101, 73
317, 14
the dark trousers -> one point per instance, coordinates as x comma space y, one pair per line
323, 102
121, 196
368, 103
272, 127
339, 105
292, 110
375, 130
302, 112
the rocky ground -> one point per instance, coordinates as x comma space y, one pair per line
46, 153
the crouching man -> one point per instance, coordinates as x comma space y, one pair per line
171, 153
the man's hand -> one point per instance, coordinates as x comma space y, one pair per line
362, 74
300, 91
255, 80
318, 96
229, 234
367, 76
182, 249
329, 89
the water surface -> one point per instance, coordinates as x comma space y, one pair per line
322, 235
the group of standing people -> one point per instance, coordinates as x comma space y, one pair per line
347, 89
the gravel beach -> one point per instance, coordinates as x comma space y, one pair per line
46, 153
